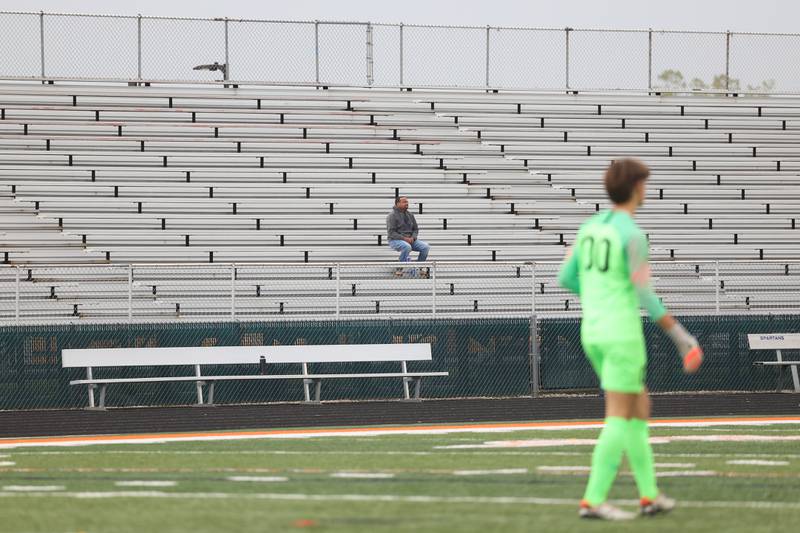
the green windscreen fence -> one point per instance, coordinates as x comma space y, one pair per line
485, 358
728, 364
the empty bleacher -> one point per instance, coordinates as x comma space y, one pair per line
159, 189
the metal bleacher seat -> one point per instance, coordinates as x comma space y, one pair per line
117, 176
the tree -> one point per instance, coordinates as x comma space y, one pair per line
673, 79
725, 83
765, 87
697, 84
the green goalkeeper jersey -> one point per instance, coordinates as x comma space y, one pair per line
608, 269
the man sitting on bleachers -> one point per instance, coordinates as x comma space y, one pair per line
403, 229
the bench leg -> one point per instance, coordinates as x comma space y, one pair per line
103, 396
210, 400
199, 393
101, 404
407, 390
307, 390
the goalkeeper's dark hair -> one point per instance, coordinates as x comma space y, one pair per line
621, 178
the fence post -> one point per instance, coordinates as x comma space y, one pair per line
433, 289
316, 50
567, 30
139, 46
369, 53
227, 70
716, 286
401, 54
338, 288
16, 294
534, 339
727, 59
41, 39
487, 56
650, 58
130, 292
233, 290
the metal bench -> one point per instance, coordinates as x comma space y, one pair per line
252, 355
778, 342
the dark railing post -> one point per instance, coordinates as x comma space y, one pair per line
650, 58
316, 50
139, 46
401, 54
487, 56
41, 40
370, 54
727, 60
566, 31
227, 71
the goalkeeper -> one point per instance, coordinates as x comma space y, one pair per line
608, 268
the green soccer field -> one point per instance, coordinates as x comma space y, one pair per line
727, 478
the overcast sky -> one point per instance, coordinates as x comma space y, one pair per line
762, 16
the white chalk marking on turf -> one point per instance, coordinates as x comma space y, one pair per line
32, 488
546, 468
258, 479
366, 432
542, 443
7, 463
686, 473
144, 483
362, 475
759, 462
507, 500
501, 471
532, 443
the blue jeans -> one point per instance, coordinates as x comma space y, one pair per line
405, 249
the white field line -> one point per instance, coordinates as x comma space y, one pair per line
501, 471
493, 452
759, 462
686, 473
7, 463
144, 483
499, 500
362, 475
587, 469
32, 488
258, 479
675, 465
544, 443
366, 432
546, 468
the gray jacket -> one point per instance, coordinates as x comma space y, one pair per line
401, 224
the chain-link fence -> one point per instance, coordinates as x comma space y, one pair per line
499, 329
131, 48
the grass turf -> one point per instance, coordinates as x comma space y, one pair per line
424, 494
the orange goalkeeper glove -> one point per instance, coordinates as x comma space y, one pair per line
687, 346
